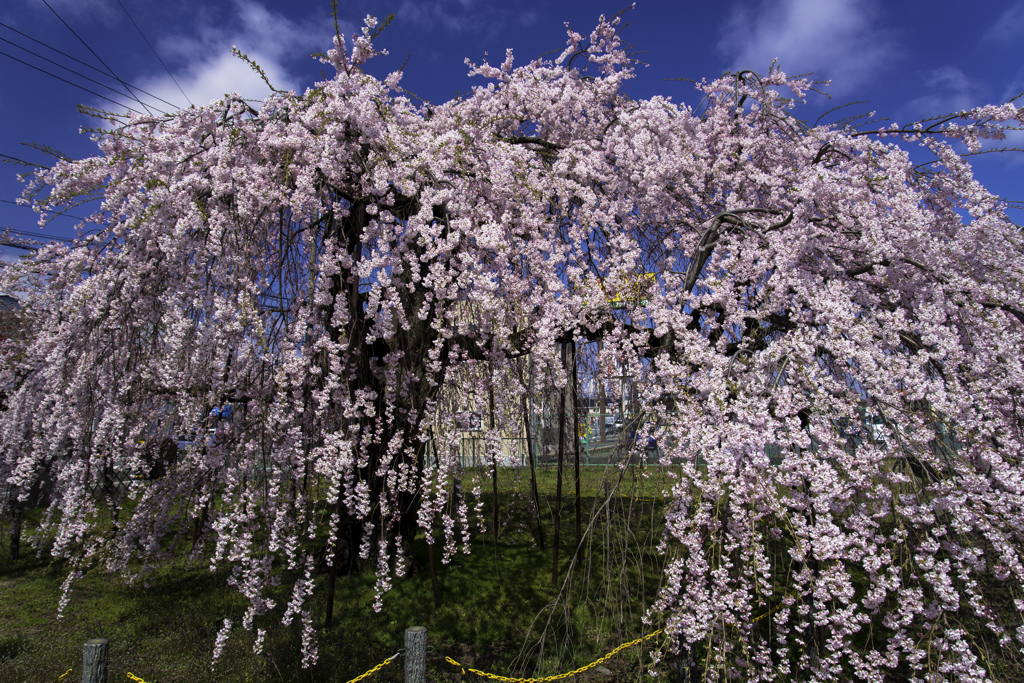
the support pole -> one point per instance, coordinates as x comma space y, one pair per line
416, 654
94, 661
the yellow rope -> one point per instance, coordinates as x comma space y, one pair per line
580, 670
776, 608
374, 669
64, 674
135, 678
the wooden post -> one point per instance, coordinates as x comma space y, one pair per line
94, 661
416, 654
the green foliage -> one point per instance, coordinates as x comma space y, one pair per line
496, 601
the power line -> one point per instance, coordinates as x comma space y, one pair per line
100, 59
8, 201
80, 87
28, 234
80, 75
33, 236
85, 64
155, 52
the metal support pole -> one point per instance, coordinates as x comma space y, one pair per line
94, 661
416, 654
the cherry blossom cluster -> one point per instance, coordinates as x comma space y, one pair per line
826, 348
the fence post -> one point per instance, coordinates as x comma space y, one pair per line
416, 654
94, 661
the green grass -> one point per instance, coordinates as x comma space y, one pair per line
495, 602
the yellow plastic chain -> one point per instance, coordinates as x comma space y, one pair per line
374, 669
775, 609
580, 670
135, 678
61, 677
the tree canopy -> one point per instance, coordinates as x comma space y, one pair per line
334, 264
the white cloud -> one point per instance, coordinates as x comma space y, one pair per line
950, 90
208, 69
216, 76
462, 16
840, 40
82, 11
1006, 31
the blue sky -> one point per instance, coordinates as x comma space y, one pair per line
908, 59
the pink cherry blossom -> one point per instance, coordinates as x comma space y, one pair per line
350, 270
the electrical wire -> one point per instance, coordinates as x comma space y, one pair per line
80, 75
80, 87
85, 64
155, 53
35, 235
100, 59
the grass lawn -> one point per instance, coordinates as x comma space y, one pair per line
496, 602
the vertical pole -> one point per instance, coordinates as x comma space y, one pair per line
94, 661
416, 654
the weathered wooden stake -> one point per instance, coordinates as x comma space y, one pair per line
94, 661
416, 654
